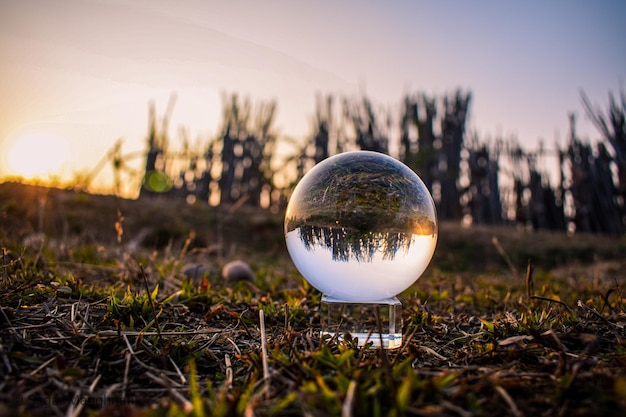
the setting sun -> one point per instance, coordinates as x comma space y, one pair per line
36, 156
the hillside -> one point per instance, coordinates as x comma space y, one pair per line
153, 223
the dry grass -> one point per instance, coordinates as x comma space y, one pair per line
93, 326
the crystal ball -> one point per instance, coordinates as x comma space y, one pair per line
361, 227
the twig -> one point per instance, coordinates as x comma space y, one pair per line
229, 372
502, 252
187, 406
346, 409
43, 365
606, 298
456, 409
405, 343
551, 300
109, 390
612, 326
266, 372
10, 328
432, 352
163, 380
509, 400
60, 384
78, 402
97, 366
134, 355
530, 286
190, 238
84, 319
183, 380
582, 305
125, 380
234, 345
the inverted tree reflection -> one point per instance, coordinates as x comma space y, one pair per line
348, 244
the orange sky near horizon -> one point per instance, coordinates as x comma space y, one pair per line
76, 76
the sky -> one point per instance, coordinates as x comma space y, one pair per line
77, 75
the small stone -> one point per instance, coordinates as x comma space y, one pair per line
197, 271
237, 271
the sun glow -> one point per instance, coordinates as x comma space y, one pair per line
36, 156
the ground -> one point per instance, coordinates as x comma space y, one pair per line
97, 318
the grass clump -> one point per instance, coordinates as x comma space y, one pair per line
99, 328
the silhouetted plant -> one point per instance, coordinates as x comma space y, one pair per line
247, 147
598, 206
240, 165
484, 203
156, 180
612, 127
370, 133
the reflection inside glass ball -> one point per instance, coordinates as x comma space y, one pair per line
361, 226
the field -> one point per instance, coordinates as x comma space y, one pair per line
98, 319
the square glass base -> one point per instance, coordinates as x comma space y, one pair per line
378, 322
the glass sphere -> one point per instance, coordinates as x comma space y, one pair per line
361, 226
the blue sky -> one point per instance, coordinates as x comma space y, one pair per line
81, 73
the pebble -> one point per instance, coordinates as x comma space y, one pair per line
197, 271
237, 271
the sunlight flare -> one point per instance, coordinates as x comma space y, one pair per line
36, 156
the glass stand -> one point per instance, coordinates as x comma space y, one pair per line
378, 322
